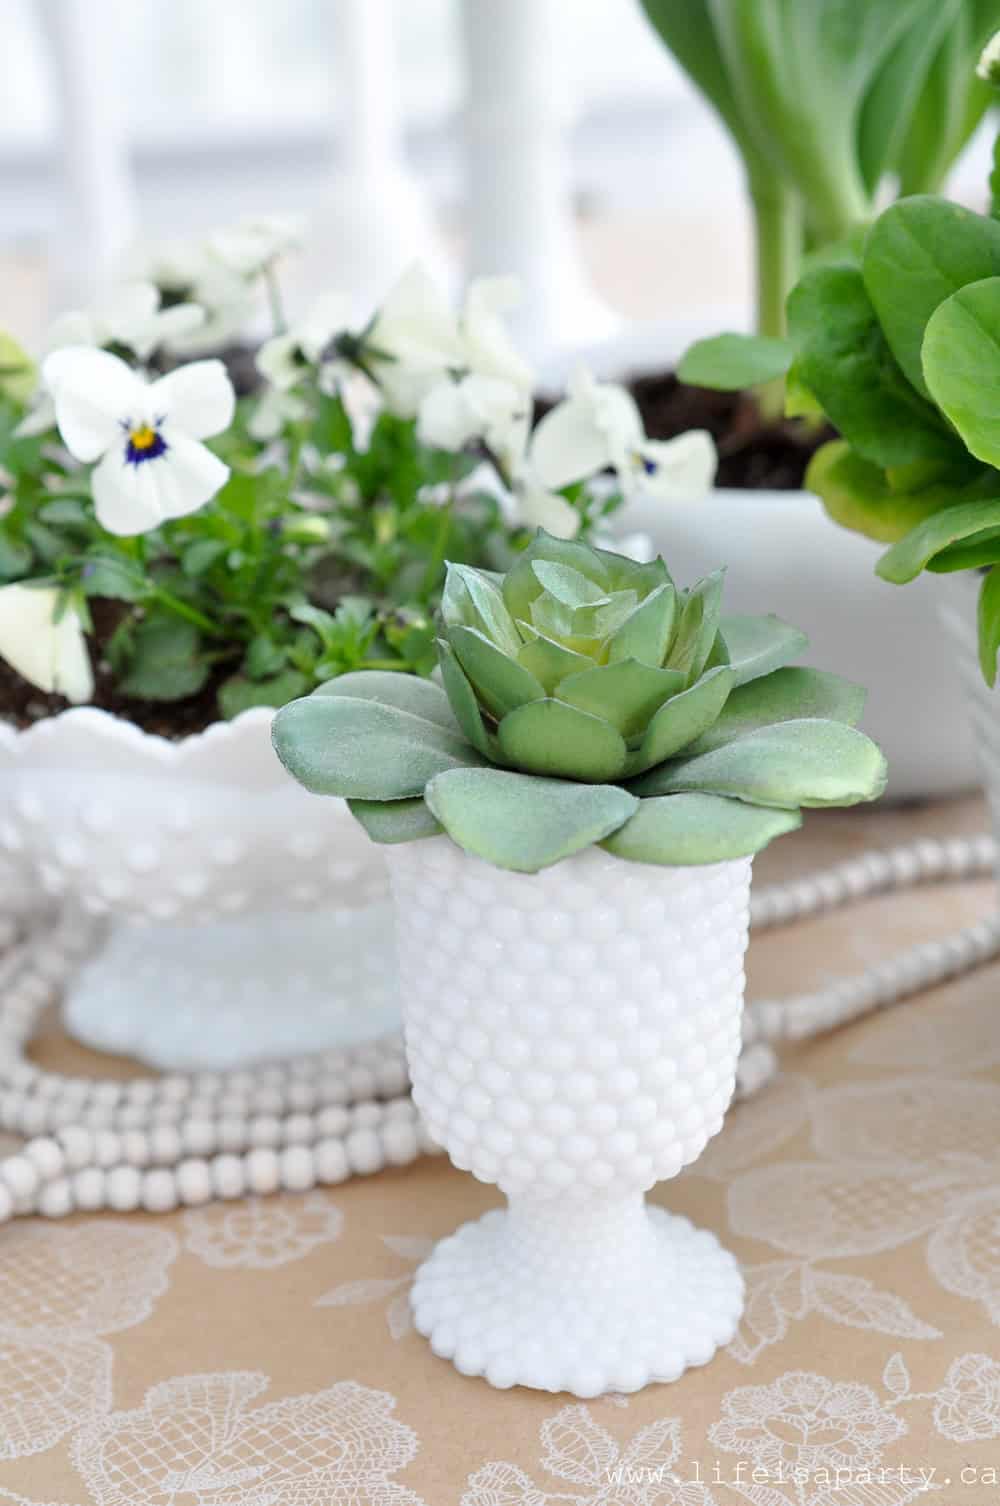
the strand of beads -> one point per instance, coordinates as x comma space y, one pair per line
184, 1139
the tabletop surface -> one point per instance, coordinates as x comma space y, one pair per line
260, 1353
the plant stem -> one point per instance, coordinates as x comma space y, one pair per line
778, 223
190, 614
995, 181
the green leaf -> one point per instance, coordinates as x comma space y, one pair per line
547, 660
392, 821
697, 626
845, 360
918, 253
523, 823
201, 556
988, 623
240, 694
365, 749
858, 494
731, 363
759, 644
683, 719
462, 698
549, 737
501, 683
567, 585
405, 692
485, 609
961, 356
784, 695
959, 524
645, 634
686, 829
64, 512
626, 694
521, 586
812, 763
112, 576
165, 662
264, 658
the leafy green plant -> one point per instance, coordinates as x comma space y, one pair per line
896, 339
246, 550
826, 100
585, 698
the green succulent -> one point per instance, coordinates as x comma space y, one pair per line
585, 698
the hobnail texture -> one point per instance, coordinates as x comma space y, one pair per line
573, 1036
209, 831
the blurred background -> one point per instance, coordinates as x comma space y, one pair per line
397, 127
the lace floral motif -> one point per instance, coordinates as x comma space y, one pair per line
968, 1404
806, 1422
262, 1233
398, 1315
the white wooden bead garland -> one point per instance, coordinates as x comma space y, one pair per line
159, 1142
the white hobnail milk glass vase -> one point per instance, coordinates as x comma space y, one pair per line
573, 1036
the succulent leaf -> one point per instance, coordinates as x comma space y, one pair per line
365, 749
519, 822
405, 692
646, 632
483, 608
682, 719
392, 821
759, 644
521, 585
567, 585
549, 737
681, 829
811, 763
547, 660
626, 694
500, 681
462, 698
697, 626
782, 696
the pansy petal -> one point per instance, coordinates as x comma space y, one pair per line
567, 445
95, 394
679, 468
191, 476
132, 499
50, 654
197, 398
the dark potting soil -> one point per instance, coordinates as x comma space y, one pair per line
754, 455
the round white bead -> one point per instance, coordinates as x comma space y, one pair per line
297, 1168
331, 1162
194, 1182
228, 1176
89, 1187
364, 1151
123, 1188
20, 1176
56, 1199
159, 1191
262, 1170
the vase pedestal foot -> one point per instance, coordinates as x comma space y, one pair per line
229, 993
579, 1298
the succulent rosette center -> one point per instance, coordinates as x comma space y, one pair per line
584, 697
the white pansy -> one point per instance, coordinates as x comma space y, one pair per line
145, 436
186, 268
599, 425
537, 507
132, 317
488, 348
413, 343
45, 647
285, 359
275, 409
989, 61
491, 409
249, 247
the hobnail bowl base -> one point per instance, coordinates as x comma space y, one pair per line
497, 1303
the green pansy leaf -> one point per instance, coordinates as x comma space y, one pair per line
961, 353
732, 363
645, 633
988, 623
462, 698
392, 821
845, 360
859, 496
239, 693
567, 585
166, 661
954, 525
501, 683
784, 695
547, 660
625, 694
812, 763
549, 737
918, 253
683, 829
682, 719
523, 823
757, 645
405, 692
365, 749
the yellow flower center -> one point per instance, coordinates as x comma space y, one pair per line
143, 438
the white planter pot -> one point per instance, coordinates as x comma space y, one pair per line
221, 879
572, 1036
958, 614
786, 556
